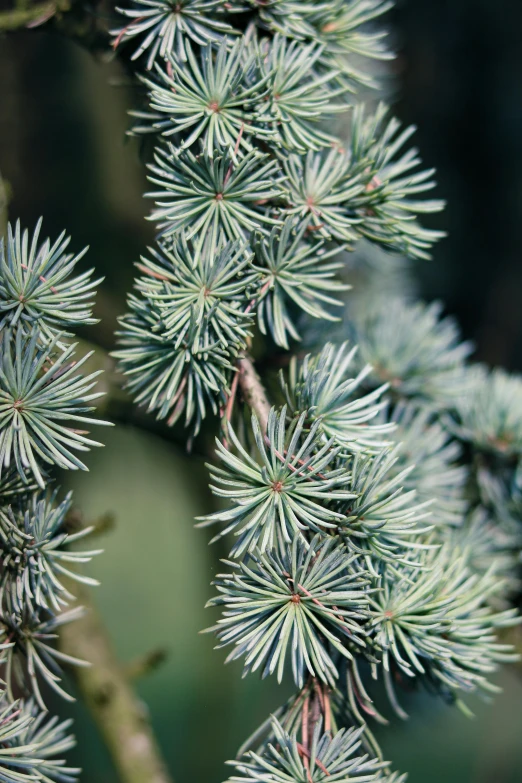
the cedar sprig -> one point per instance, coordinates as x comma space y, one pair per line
36, 284
35, 557
331, 389
301, 605
213, 97
286, 491
206, 195
296, 277
41, 395
161, 27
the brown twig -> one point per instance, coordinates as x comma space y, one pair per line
231, 398
255, 397
236, 150
304, 722
105, 688
16, 18
301, 462
306, 755
117, 41
327, 710
145, 664
4, 207
303, 748
253, 391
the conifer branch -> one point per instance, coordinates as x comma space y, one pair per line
376, 514
41, 393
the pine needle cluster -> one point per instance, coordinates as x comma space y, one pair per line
45, 407
237, 106
374, 508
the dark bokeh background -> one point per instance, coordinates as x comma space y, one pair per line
63, 151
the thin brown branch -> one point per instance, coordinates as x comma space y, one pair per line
17, 18
4, 206
327, 710
145, 664
105, 688
252, 389
304, 723
255, 397
305, 755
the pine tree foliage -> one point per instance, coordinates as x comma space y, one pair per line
432, 621
36, 284
186, 326
212, 100
163, 27
13, 485
389, 211
328, 759
375, 520
39, 389
204, 194
322, 186
490, 416
438, 473
247, 148
290, 605
35, 556
491, 544
26, 732
413, 349
323, 387
170, 379
383, 518
296, 103
214, 294
45, 403
291, 488
294, 275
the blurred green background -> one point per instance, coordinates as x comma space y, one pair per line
64, 152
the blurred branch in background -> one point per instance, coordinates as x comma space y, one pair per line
105, 687
4, 205
30, 16
87, 24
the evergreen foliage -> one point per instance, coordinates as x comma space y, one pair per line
25, 732
329, 759
40, 388
294, 275
43, 401
291, 488
301, 604
490, 416
163, 27
433, 621
212, 100
374, 507
413, 349
36, 284
322, 387
33, 540
437, 473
